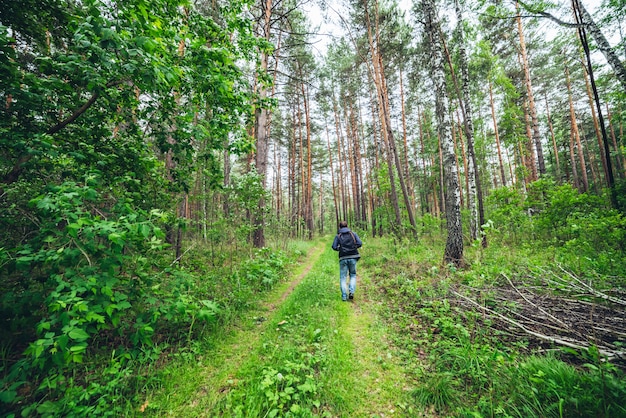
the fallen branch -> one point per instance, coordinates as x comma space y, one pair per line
578, 345
555, 319
593, 291
181, 256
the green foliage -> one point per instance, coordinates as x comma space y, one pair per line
97, 285
295, 353
264, 269
586, 232
468, 368
438, 392
108, 112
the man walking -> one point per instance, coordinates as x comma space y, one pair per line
347, 243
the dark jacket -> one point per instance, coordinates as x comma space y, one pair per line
347, 243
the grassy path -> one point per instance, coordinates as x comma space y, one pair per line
302, 353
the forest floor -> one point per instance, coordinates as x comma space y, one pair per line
300, 342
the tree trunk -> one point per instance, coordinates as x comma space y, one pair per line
261, 134
576, 135
385, 130
474, 185
536, 136
394, 150
340, 159
575, 139
456, 157
454, 243
620, 163
603, 44
497, 134
579, 13
557, 174
308, 192
332, 176
596, 125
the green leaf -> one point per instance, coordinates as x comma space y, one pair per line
8, 396
116, 238
78, 334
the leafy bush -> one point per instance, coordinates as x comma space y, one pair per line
95, 276
507, 216
588, 233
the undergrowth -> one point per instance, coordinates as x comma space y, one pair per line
89, 371
464, 366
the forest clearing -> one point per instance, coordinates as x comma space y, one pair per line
175, 174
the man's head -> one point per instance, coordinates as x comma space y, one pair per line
343, 224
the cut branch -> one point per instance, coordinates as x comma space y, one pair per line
559, 341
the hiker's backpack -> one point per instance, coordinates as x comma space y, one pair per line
347, 241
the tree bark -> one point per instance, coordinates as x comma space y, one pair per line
556, 151
332, 176
536, 136
596, 124
377, 78
575, 139
454, 243
603, 45
261, 134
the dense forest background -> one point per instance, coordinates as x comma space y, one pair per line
153, 153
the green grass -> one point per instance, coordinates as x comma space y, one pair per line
307, 355
460, 365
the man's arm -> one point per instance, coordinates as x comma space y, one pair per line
359, 243
336, 244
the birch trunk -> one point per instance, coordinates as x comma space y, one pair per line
454, 243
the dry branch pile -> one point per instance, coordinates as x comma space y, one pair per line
556, 309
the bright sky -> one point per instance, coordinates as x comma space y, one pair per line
329, 22
330, 26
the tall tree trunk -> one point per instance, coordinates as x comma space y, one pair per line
308, 200
620, 163
279, 191
456, 157
580, 13
574, 138
536, 136
340, 159
261, 133
404, 137
602, 43
332, 176
557, 174
596, 125
351, 158
424, 192
497, 134
475, 194
464, 159
454, 243
529, 160
359, 162
576, 135
394, 150
377, 78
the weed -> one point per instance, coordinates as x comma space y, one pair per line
437, 391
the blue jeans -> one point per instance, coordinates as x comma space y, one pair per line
345, 266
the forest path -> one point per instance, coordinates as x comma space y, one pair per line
303, 351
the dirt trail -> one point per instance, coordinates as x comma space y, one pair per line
381, 378
214, 375
374, 385
311, 259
